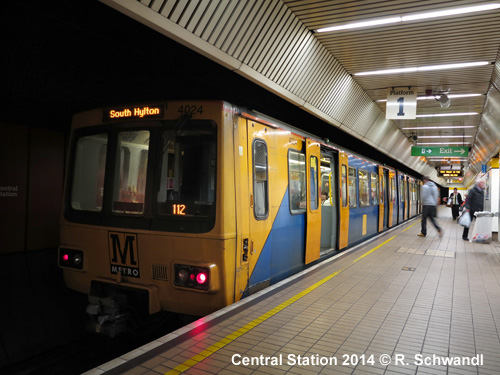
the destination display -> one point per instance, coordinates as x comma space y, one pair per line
450, 173
134, 112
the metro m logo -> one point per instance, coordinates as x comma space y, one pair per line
123, 253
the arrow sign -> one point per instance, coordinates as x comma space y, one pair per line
447, 151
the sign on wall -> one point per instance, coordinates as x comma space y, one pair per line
401, 104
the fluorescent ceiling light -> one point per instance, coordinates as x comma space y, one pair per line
447, 158
444, 136
450, 12
440, 127
356, 25
450, 114
442, 143
423, 68
452, 160
411, 17
451, 96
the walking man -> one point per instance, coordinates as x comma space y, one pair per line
430, 199
456, 201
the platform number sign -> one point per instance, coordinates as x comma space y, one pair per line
401, 104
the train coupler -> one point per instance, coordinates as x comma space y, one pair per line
107, 316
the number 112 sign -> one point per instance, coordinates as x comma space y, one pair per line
401, 104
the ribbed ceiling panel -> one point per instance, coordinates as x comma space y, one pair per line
270, 39
275, 43
442, 40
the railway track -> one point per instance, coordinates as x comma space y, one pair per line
88, 352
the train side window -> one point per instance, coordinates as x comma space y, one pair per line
88, 173
260, 180
313, 184
375, 189
343, 190
402, 195
297, 181
130, 183
393, 189
352, 188
364, 188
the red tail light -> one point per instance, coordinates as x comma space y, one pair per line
192, 277
70, 258
201, 278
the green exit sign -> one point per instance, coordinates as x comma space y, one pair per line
449, 151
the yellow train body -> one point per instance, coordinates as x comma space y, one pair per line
189, 206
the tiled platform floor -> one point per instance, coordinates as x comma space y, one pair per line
401, 304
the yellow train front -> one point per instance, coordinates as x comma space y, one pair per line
189, 206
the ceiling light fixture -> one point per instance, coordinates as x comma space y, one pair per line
450, 114
442, 143
417, 69
411, 17
439, 127
452, 160
444, 136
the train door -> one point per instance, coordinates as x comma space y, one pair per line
329, 205
387, 201
408, 198
401, 198
313, 216
393, 207
254, 209
382, 205
344, 200
419, 199
413, 197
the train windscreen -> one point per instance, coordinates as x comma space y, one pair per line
188, 166
163, 175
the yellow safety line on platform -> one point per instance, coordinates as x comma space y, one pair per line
404, 230
247, 327
372, 250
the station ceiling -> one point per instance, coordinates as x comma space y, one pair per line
279, 45
98, 56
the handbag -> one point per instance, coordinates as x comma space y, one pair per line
464, 220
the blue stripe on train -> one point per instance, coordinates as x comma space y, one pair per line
283, 252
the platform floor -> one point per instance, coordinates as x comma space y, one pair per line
399, 304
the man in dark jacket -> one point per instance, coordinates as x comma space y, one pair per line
474, 202
455, 200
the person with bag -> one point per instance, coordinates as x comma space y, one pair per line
455, 200
430, 200
474, 202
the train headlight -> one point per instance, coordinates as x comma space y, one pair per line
195, 277
77, 259
183, 275
70, 258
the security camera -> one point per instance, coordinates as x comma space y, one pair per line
444, 101
413, 138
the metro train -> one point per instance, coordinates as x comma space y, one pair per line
189, 206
